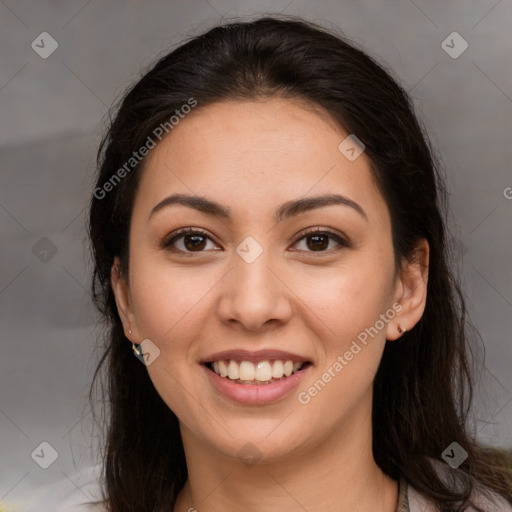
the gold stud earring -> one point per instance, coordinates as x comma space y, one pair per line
400, 330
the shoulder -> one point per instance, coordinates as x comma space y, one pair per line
484, 497
74, 494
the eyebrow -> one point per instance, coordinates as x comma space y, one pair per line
285, 211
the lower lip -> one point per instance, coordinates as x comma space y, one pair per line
255, 393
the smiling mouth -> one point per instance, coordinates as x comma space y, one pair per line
260, 372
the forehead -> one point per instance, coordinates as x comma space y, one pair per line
257, 153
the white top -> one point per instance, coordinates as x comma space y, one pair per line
65, 496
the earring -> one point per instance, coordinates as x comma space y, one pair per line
400, 330
136, 350
130, 331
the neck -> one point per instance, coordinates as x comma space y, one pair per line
339, 473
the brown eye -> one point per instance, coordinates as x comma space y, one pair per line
190, 240
320, 242
187, 240
317, 240
193, 242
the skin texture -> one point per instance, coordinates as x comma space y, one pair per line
252, 157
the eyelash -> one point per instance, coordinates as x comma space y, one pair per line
173, 237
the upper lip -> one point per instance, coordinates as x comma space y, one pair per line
257, 355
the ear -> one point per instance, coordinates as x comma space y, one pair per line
122, 295
411, 291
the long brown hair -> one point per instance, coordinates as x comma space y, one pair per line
424, 386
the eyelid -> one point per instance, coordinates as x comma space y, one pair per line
323, 230
340, 238
168, 240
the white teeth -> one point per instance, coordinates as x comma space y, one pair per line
223, 369
262, 371
246, 371
233, 370
277, 370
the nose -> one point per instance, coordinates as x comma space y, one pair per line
255, 296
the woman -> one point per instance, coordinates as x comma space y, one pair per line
268, 230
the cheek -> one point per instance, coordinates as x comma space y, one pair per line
170, 309
352, 338
168, 301
348, 299
349, 302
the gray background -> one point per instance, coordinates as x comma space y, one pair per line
52, 113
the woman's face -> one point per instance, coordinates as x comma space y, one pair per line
253, 281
